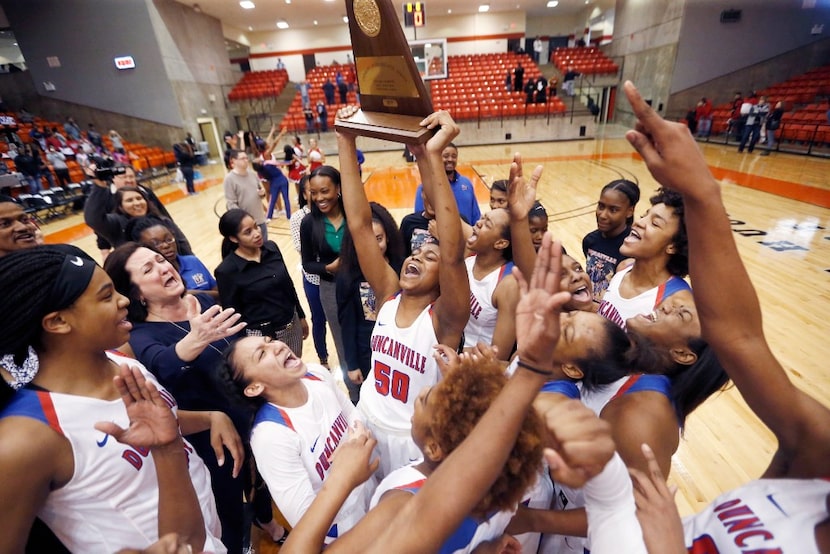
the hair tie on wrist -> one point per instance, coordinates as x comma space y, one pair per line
535, 370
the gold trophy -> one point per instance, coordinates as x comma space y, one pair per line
393, 97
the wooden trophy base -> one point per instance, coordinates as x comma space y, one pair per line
405, 129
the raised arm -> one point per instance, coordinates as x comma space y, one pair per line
452, 309
381, 277
521, 196
730, 314
458, 484
153, 426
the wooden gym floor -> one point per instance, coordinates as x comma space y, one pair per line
779, 205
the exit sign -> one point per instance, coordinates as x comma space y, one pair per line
124, 62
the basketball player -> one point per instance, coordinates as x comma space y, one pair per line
788, 510
413, 315
493, 291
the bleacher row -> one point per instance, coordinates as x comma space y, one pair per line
588, 60
143, 157
259, 84
805, 123
295, 120
475, 88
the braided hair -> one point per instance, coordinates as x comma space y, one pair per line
26, 278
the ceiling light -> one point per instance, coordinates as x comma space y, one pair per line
247, 5
14, 44
287, 1
315, 22
197, 8
282, 24
484, 8
449, 11
345, 19
553, 3
250, 28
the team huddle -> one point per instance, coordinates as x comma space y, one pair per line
508, 400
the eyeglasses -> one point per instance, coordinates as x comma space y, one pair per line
168, 241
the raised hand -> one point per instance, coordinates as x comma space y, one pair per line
540, 303
668, 148
656, 510
152, 422
213, 324
447, 131
581, 442
521, 192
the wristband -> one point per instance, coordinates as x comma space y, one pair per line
535, 370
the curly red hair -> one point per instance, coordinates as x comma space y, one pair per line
460, 399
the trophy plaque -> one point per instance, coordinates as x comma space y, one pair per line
393, 97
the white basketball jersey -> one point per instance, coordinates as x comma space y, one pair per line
569, 498
483, 315
767, 515
402, 365
619, 309
111, 502
293, 447
469, 534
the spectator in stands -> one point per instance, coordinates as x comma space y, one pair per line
303, 87
569, 80
25, 116
308, 113
508, 81
186, 159
43, 169
530, 91
518, 78
703, 117
755, 117
541, 90
71, 128
462, 188
280, 64
343, 89
26, 165
117, 142
18, 230
351, 78
691, 121
38, 136
322, 117
243, 190
537, 49
735, 125
328, 91
773, 123
94, 137
58, 161
53, 139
